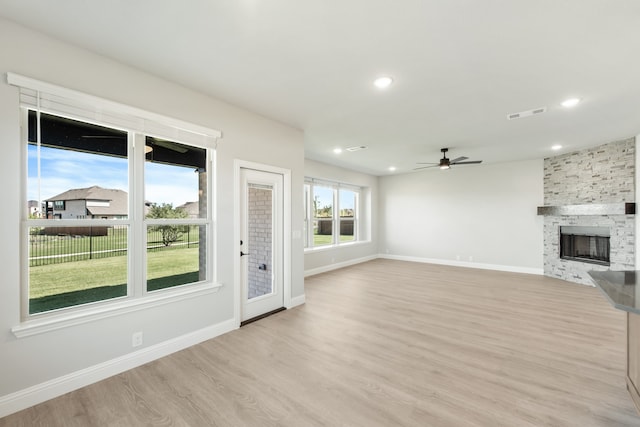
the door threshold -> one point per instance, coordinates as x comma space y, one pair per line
262, 316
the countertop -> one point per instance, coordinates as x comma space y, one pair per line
622, 288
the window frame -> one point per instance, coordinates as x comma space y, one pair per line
137, 296
309, 242
335, 238
356, 210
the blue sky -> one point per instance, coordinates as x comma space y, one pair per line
325, 197
63, 170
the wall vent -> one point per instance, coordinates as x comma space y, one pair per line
358, 148
528, 113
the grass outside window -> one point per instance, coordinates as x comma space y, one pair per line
56, 286
323, 240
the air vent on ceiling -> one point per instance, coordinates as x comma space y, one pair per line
358, 148
528, 113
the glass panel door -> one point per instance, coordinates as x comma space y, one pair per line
260, 239
261, 242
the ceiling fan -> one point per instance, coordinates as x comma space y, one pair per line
445, 163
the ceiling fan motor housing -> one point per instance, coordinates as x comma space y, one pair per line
444, 161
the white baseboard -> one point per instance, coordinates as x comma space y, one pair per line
26, 398
296, 301
497, 267
338, 265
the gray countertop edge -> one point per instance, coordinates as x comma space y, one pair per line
619, 306
613, 303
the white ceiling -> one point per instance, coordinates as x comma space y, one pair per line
460, 66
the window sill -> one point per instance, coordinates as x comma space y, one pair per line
338, 246
53, 322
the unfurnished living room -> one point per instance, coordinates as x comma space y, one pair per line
281, 213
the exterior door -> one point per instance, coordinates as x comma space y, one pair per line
261, 242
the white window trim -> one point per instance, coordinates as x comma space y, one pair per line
137, 297
343, 245
65, 102
91, 312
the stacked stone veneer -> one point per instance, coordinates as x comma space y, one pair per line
605, 174
260, 218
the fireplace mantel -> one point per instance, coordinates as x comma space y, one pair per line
589, 209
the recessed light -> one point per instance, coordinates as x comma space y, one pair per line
337, 150
571, 102
556, 147
383, 82
392, 168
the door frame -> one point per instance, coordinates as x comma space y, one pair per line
286, 232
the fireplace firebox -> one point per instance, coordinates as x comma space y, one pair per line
585, 244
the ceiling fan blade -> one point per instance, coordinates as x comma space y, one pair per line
427, 163
473, 162
425, 167
103, 136
459, 159
170, 145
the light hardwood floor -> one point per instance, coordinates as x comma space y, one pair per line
386, 343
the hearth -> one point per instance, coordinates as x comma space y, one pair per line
585, 244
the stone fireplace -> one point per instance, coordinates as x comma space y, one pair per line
589, 195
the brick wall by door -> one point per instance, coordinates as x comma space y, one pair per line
260, 233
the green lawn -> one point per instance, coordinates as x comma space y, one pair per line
172, 268
320, 239
71, 283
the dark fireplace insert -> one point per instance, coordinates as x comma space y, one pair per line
585, 244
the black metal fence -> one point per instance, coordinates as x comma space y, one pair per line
54, 248
325, 227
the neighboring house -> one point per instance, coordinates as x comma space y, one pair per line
191, 208
88, 203
33, 207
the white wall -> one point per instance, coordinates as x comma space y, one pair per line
637, 199
482, 216
32, 361
325, 259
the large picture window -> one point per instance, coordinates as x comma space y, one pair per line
331, 214
111, 213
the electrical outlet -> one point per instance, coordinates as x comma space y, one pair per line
136, 339
457, 257
470, 258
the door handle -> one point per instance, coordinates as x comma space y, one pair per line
243, 254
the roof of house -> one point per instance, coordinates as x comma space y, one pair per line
191, 208
90, 193
117, 199
113, 209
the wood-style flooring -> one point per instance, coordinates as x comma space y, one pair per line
386, 343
